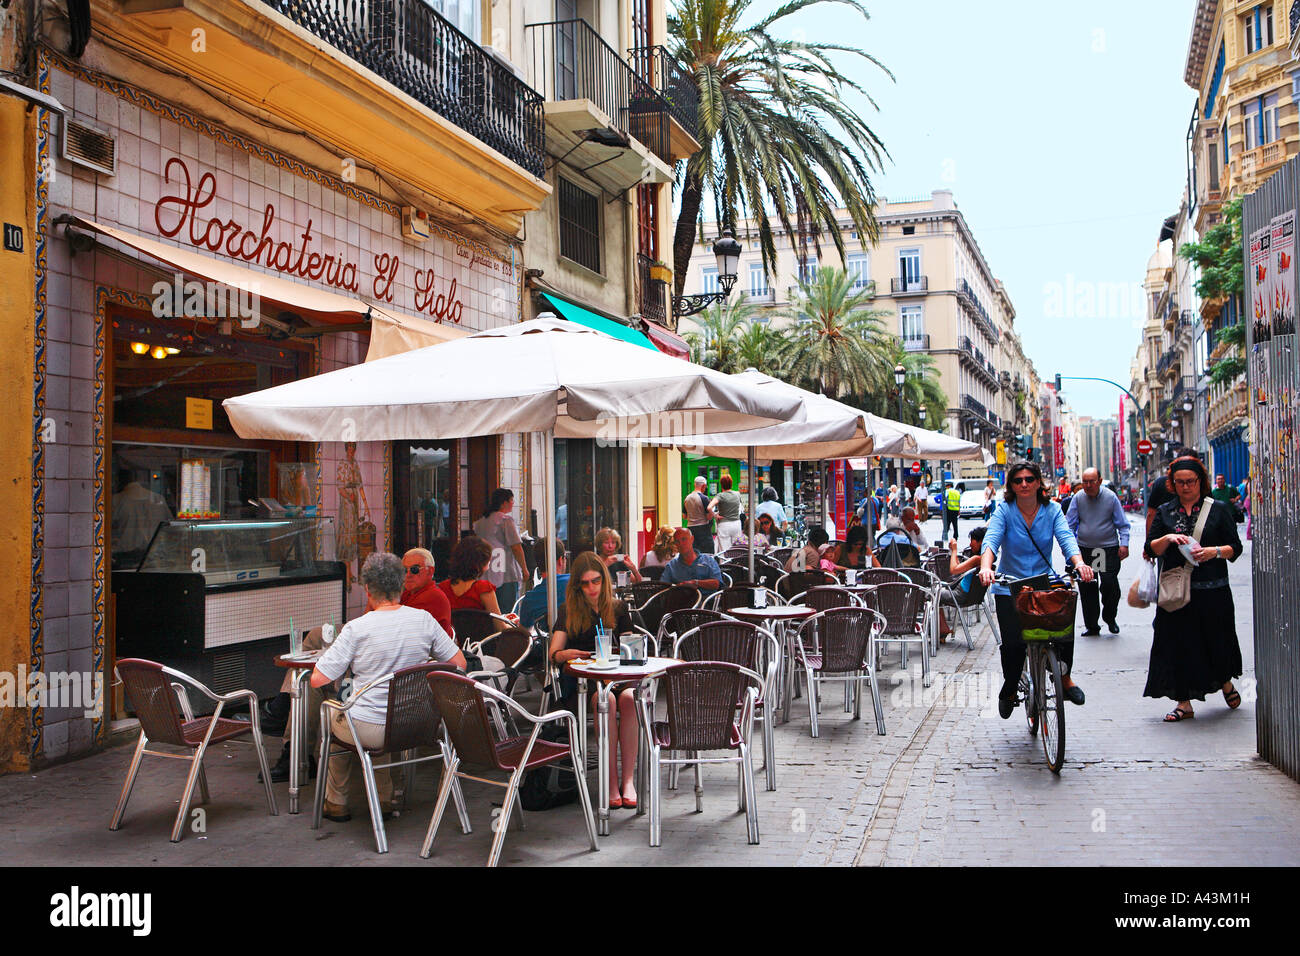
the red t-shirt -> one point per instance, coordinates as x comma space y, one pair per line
471, 599
430, 598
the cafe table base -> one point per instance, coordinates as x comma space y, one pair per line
297, 725
604, 679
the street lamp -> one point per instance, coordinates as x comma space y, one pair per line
726, 250
900, 376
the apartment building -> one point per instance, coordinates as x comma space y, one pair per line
941, 295
1242, 63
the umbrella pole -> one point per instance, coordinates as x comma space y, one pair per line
548, 502
753, 519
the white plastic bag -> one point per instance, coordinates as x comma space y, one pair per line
1148, 584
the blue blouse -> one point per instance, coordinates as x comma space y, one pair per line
1020, 558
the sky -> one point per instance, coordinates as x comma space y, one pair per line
1060, 129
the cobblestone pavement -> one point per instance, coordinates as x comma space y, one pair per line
950, 783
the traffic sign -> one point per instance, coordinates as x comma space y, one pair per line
1144, 447
916, 467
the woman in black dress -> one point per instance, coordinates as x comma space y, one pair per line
1195, 650
589, 605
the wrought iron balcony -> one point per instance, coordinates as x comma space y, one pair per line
966, 296
672, 81
571, 61
651, 292
412, 46
901, 285
916, 343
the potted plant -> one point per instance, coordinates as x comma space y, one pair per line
659, 272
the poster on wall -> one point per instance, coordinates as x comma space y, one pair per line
1279, 395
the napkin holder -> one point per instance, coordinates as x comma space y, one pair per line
631, 649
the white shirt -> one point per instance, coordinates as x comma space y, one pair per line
498, 529
379, 642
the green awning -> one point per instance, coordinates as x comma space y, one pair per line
576, 313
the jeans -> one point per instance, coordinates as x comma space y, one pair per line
1013, 645
507, 594
949, 517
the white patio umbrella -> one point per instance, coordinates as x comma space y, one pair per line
545, 375
896, 440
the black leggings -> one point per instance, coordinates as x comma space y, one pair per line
1013, 645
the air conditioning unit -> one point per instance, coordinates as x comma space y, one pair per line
86, 146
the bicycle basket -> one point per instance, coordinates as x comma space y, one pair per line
1047, 614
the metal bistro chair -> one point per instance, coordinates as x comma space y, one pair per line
751, 646
462, 704
410, 721
796, 582
902, 605
739, 595
701, 717
651, 573
874, 576
153, 696
738, 573
677, 623
922, 577
947, 594
840, 649
667, 599
824, 597
781, 555
634, 595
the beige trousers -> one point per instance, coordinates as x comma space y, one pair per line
338, 780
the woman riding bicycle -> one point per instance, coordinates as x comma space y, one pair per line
1023, 526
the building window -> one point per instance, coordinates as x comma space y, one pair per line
858, 268
910, 323
1215, 80
709, 281
757, 281
909, 265
909, 230
579, 225
1268, 118
807, 271
647, 220
1258, 25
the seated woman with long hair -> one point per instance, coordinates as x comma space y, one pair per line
662, 551
589, 606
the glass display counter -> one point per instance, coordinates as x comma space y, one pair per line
217, 598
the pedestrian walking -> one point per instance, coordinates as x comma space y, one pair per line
990, 493
1194, 651
509, 566
1097, 520
1159, 491
726, 504
951, 511
699, 516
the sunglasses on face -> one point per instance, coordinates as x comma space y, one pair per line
414, 569
591, 582
1024, 480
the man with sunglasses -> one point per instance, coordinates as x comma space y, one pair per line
418, 589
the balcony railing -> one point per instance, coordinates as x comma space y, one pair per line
409, 44
902, 285
1260, 159
651, 292
570, 61
966, 295
672, 81
916, 343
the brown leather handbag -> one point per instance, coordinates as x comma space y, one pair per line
1050, 609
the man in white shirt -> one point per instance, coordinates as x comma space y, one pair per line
699, 516
389, 637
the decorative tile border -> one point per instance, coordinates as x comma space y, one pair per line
148, 101
36, 661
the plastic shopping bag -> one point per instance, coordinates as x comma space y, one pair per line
1146, 588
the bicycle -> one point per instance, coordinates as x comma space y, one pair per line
1042, 684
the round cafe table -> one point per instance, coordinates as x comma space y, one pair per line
604, 678
782, 614
301, 665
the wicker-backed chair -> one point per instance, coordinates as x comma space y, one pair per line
161, 703
781, 555
411, 721
472, 625
634, 595
837, 645
651, 572
947, 594
673, 598
463, 706
902, 605
738, 595
739, 573
767, 573
796, 582
824, 597
701, 718
677, 623
874, 576
735, 554
746, 644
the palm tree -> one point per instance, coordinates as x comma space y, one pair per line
721, 326
838, 344
921, 389
775, 130
759, 348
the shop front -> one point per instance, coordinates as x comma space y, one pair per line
211, 265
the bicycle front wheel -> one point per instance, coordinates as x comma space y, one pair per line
1052, 716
